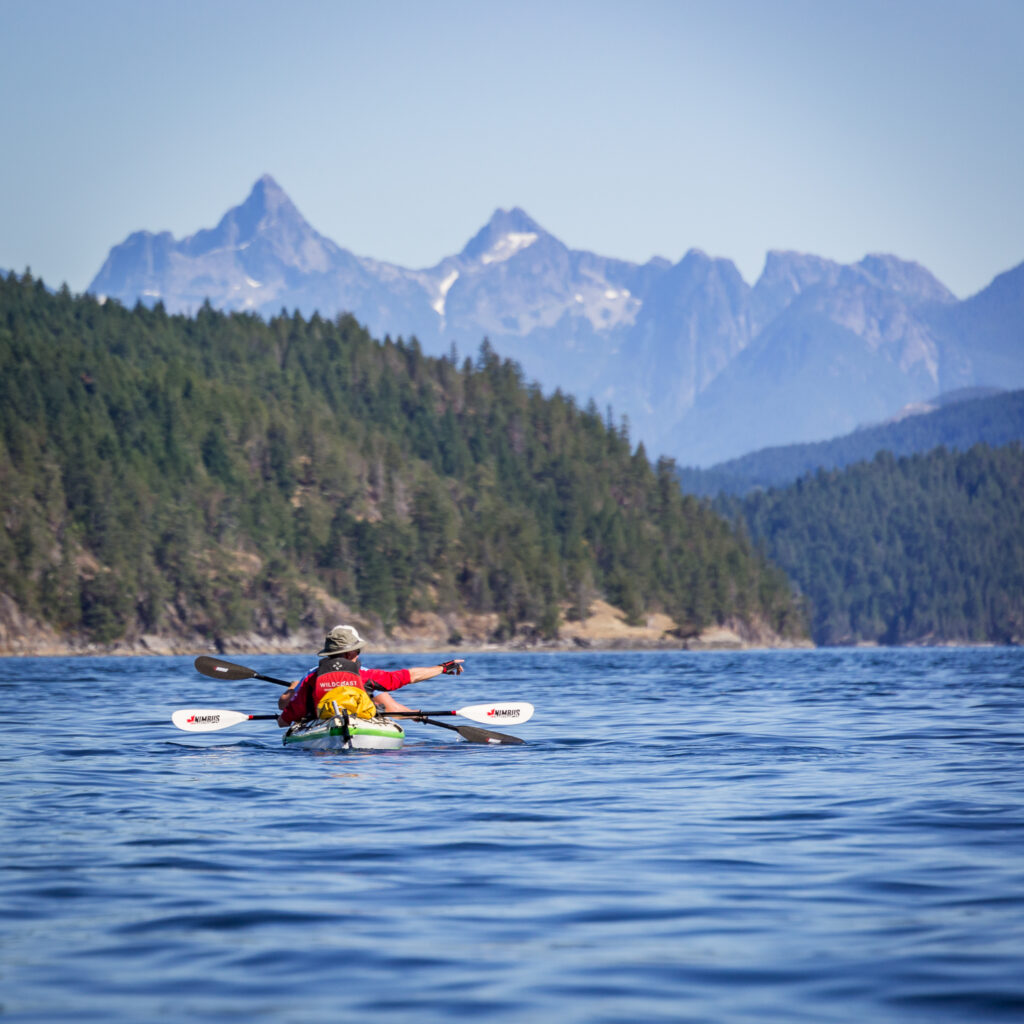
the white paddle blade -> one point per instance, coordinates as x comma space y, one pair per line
509, 712
207, 719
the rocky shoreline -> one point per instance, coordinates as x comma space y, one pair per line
605, 629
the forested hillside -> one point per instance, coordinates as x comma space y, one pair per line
217, 475
920, 549
994, 419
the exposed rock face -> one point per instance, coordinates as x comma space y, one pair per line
21, 635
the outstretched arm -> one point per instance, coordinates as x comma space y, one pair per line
448, 668
382, 696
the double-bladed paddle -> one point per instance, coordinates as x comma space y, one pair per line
509, 711
213, 719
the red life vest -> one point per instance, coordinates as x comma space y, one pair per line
332, 672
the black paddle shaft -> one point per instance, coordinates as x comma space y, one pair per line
271, 679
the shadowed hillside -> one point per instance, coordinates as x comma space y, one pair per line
923, 549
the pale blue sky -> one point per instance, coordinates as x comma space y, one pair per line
630, 129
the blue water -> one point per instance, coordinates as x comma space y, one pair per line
782, 836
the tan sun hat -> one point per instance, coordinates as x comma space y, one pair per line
342, 639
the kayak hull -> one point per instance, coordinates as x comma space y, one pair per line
346, 733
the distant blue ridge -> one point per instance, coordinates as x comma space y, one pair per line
958, 423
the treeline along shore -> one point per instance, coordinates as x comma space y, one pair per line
175, 483
187, 483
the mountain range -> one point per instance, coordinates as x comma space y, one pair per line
704, 365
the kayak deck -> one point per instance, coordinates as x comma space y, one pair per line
346, 732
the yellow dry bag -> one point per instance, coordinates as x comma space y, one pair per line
348, 698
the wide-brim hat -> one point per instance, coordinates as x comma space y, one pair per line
341, 639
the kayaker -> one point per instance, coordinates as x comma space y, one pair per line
339, 666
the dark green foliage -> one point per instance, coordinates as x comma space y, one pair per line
213, 474
921, 549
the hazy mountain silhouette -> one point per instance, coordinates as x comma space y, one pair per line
704, 365
956, 420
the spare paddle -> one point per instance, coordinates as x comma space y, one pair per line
509, 712
211, 719
467, 732
217, 669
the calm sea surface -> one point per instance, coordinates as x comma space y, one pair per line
784, 836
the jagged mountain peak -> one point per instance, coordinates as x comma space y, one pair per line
787, 274
268, 184
800, 266
266, 211
266, 225
268, 200
505, 234
695, 257
516, 219
697, 260
905, 276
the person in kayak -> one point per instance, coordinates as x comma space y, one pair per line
339, 667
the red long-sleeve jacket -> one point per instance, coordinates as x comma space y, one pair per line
310, 689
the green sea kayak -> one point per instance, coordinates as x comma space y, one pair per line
346, 732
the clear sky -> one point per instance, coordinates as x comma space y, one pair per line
629, 129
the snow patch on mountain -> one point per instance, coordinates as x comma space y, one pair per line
442, 292
607, 307
508, 245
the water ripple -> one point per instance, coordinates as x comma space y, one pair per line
819, 836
